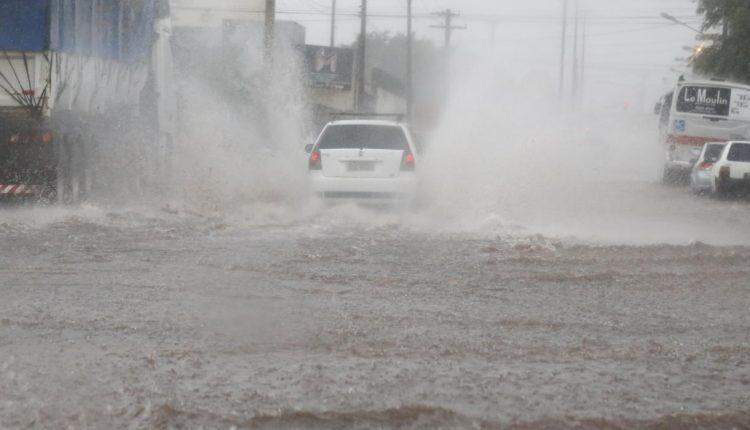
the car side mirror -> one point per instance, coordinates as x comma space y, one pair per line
309, 148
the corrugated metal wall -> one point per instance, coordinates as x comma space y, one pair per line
121, 30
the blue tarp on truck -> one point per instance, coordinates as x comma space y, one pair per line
24, 25
121, 30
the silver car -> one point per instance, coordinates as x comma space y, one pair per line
701, 175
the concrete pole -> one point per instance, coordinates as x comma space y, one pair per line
269, 30
361, 60
333, 23
409, 63
562, 48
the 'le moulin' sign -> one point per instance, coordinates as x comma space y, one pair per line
705, 100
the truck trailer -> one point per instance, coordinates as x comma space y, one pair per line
83, 95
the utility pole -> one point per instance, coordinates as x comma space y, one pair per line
583, 59
493, 32
448, 26
409, 63
333, 23
269, 29
359, 93
574, 89
562, 49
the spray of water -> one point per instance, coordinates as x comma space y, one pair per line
509, 157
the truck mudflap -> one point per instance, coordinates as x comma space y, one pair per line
21, 190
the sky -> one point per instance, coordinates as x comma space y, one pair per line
628, 45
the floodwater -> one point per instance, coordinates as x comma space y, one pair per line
628, 307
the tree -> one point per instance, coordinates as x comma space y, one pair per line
728, 56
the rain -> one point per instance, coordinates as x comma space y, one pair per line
225, 214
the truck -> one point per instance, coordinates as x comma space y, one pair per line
697, 112
84, 95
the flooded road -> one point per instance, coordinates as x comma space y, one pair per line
626, 311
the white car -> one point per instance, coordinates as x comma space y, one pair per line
364, 160
732, 171
701, 176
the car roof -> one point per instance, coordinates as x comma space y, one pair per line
716, 83
366, 122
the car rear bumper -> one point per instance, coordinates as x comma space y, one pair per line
369, 189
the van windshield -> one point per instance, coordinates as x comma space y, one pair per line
704, 100
739, 152
361, 136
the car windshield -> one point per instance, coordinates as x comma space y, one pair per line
363, 136
713, 152
739, 152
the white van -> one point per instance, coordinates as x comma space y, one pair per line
701, 112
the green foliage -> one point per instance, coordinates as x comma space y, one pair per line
728, 56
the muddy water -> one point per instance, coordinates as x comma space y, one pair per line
630, 311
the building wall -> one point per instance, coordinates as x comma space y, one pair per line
389, 103
334, 99
213, 13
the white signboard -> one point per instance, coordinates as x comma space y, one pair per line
740, 106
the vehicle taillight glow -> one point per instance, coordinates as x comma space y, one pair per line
706, 165
315, 163
408, 163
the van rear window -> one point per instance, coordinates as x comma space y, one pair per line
701, 100
363, 137
739, 152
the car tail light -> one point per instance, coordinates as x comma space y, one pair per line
407, 162
315, 163
705, 165
724, 172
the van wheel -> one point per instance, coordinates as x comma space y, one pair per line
721, 189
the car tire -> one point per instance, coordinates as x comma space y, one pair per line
669, 176
721, 189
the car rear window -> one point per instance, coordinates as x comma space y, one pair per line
713, 152
363, 136
739, 152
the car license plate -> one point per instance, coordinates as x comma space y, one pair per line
360, 166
